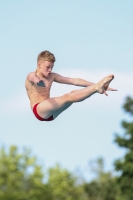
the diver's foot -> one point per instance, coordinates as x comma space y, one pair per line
103, 85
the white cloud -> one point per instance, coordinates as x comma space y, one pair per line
19, 102
16, 103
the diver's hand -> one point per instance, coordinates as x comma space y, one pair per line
112, 89
109, 89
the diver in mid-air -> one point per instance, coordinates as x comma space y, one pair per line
38, 86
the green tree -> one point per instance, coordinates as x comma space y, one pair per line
64, 185
21, 177
104, 186
125, 165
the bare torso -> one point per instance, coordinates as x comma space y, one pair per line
38, 85
36, 93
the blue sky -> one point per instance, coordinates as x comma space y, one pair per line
90, 39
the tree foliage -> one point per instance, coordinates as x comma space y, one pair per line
125, 165
104, 186
20, 176
64, 185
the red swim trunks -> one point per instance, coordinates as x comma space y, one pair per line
38, 117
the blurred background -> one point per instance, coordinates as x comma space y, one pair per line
90, 39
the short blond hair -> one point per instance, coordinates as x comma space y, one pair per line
46, 55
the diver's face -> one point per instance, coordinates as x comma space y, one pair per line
45, 67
